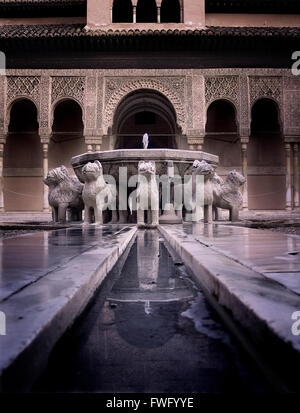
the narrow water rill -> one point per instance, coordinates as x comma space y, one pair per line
148, 329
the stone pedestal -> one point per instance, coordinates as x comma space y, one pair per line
169, 215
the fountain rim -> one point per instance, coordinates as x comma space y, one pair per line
163, 155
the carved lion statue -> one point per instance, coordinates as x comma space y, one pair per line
147, 195
97, 194
207, 170
64, 194
227, 195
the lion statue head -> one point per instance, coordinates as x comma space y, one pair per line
56, 175
203, 168
235, 178
146, 167
91, 171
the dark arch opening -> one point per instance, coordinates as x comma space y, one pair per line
142, 112
266, 187
221, 118
23, 160
67, 134
122, 11
170, 11
146, 11
221, 137
265, 117
23, 117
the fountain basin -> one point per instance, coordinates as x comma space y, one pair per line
112, 160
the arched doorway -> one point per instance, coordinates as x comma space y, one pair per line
23, 160
146, 11
67, 138
122, 11
170, 11
266, 159
145, 111
221, 135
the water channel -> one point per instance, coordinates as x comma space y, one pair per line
149, 328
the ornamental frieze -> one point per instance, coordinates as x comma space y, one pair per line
222, 87
68, 86
23, 86
265, 87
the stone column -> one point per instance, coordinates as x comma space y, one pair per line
296, 175
45, 172
158, 14
288, 197
134, 13
244, 142
2, 142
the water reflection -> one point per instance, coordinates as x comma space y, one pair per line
149, 329
149, 294
149, 274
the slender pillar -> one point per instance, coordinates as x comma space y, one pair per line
296, 175
45, 172
1, 178
158, 14
134, 14
288, 198
181, 14
245, 173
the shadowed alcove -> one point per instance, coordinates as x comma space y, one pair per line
145, 111
122, 11
23, 160
67, 138
266, 186
170, 11
146, 11
221, 134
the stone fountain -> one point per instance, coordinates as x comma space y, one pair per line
123, 163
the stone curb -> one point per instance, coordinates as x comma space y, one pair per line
34, 325
261, 306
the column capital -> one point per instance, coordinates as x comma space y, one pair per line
287, 147
45, 138
45, 150
244, 140
3, 139
291, 139
195, 139
93, 140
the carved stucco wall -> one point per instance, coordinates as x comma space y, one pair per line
291, 105
190, 93
173, 88
225, 88
18, 87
